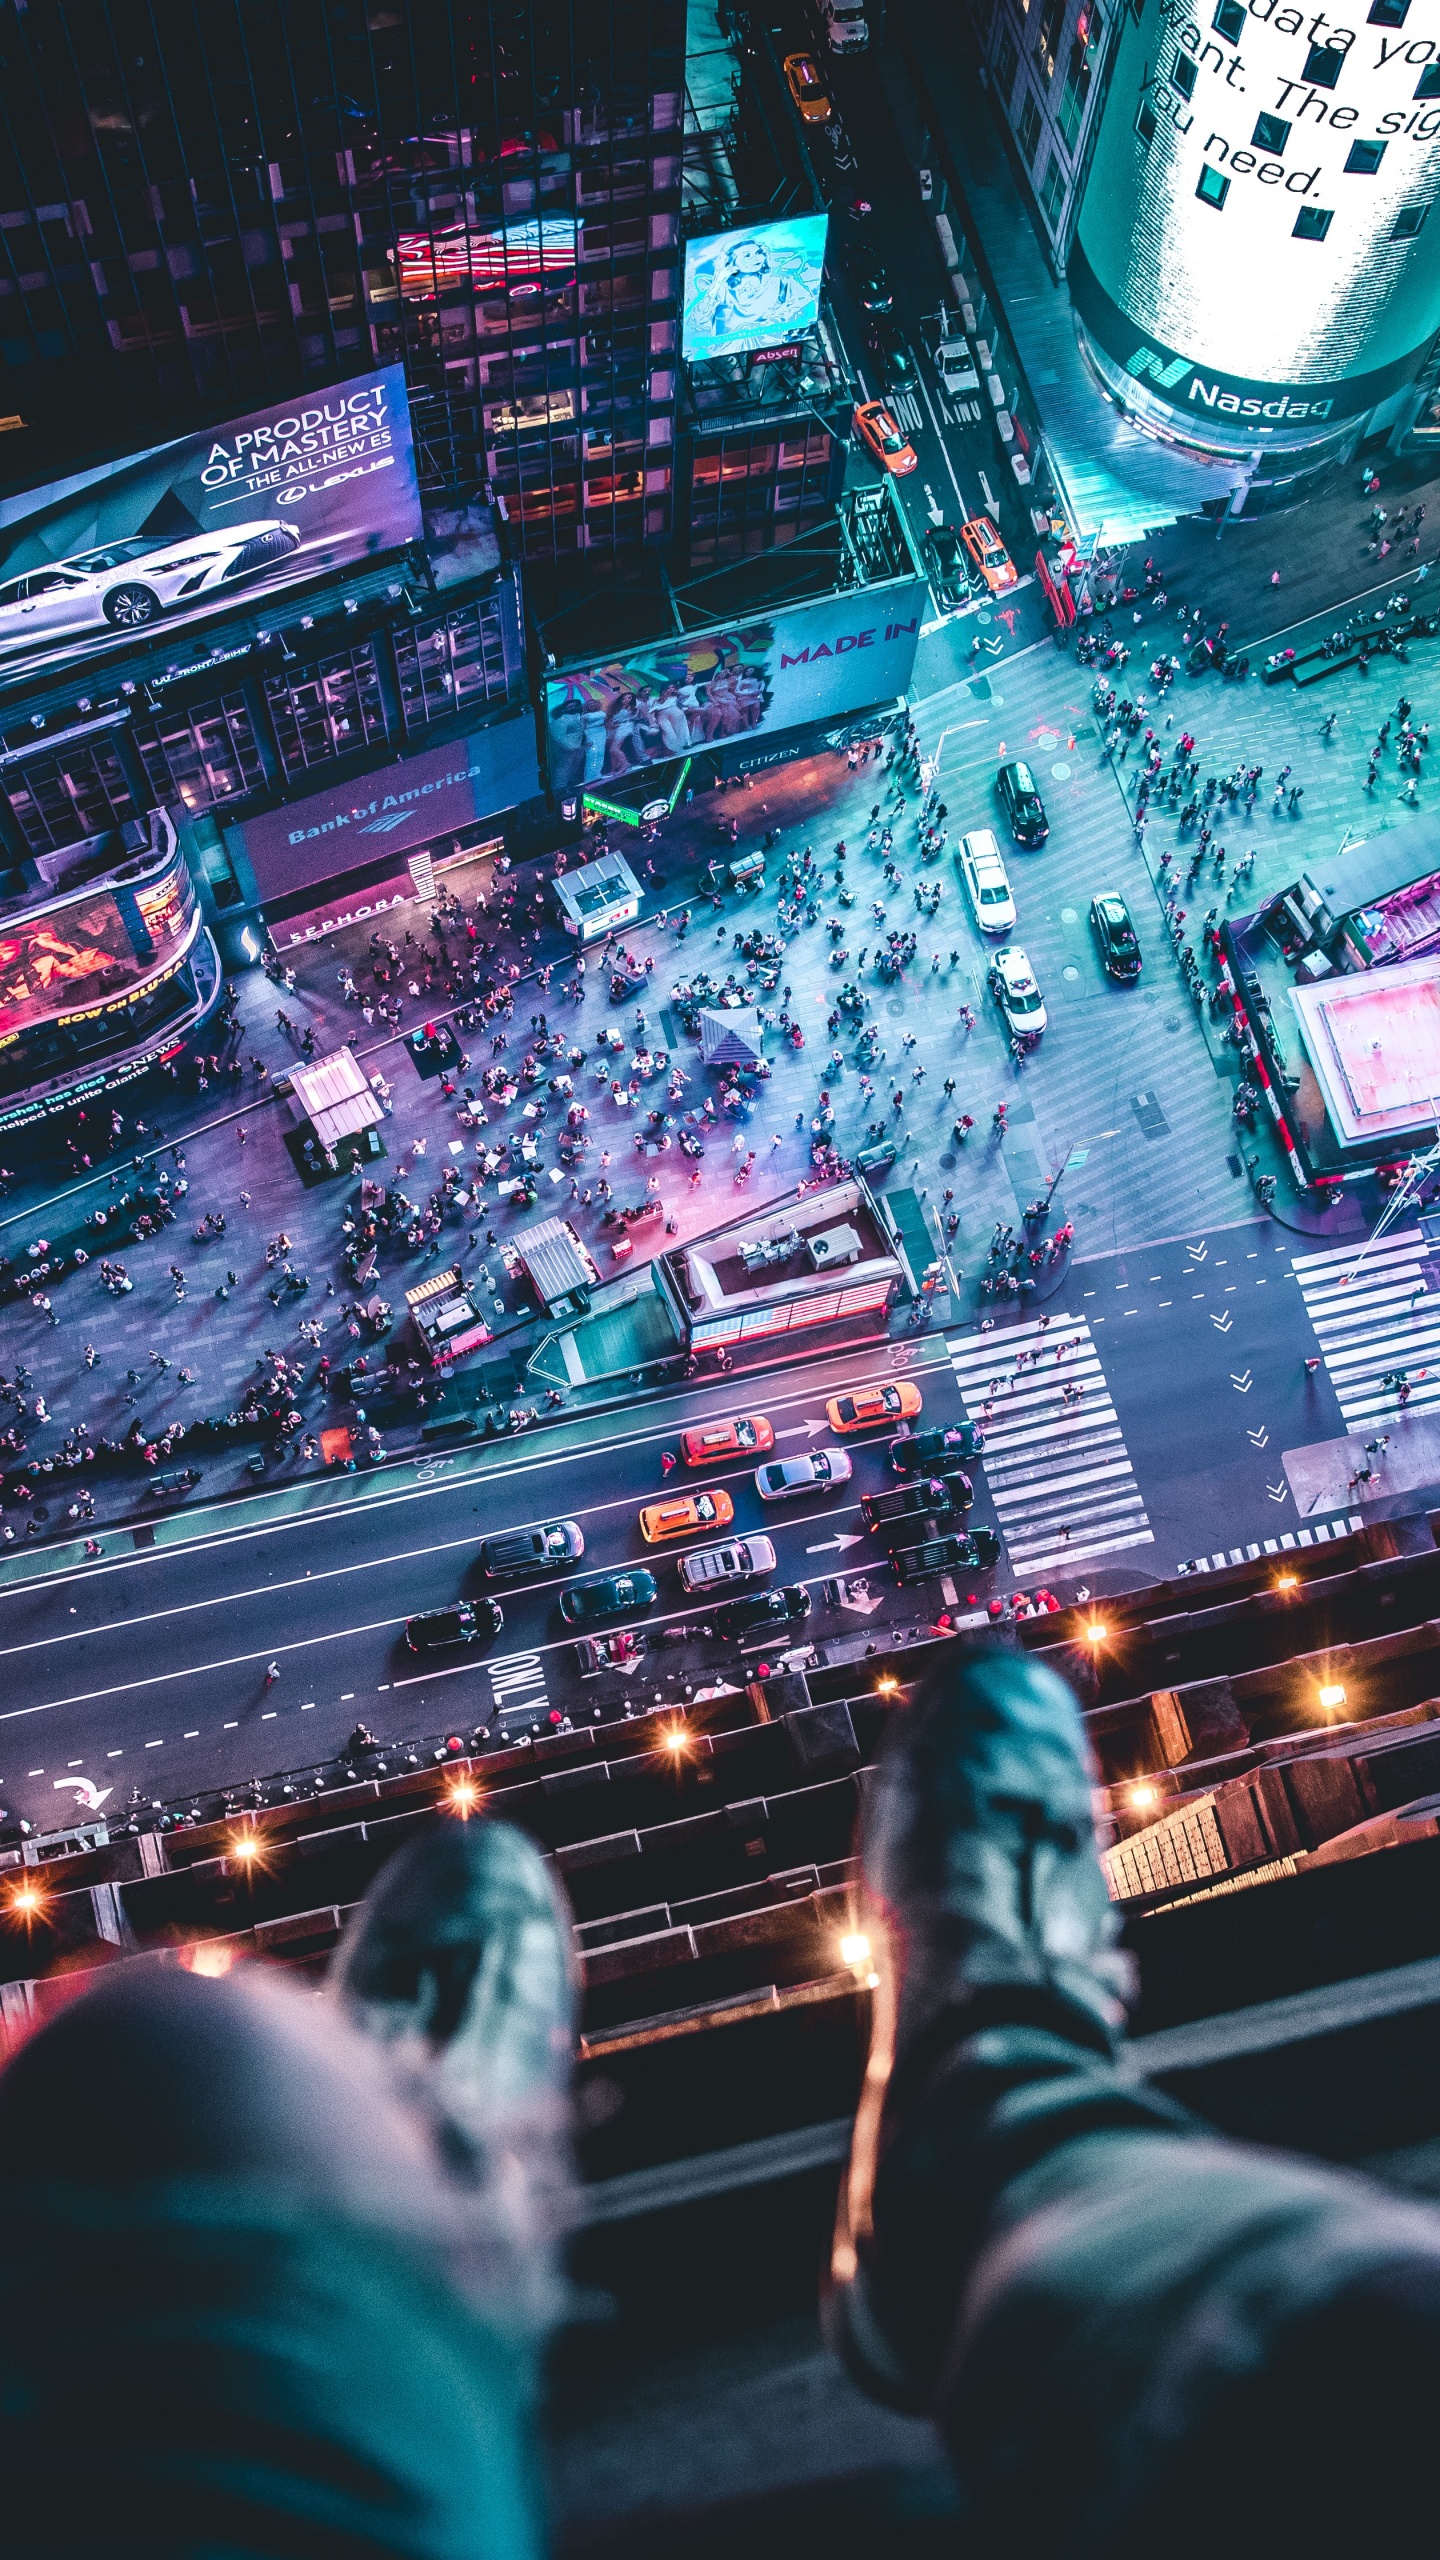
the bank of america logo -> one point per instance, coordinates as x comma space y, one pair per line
384, 826
1146, 365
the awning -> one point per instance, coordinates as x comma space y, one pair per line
555, 1260
731, 1039
334, 1095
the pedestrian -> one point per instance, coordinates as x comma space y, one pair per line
667, 1462
1274, 577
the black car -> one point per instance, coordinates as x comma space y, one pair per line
873, 286
589, 1604
937, 1452
926, 1499
890, 348
945, 566
469, 1622
538, 1550
736, 1619
1115, 934
1022, 803
945, 1555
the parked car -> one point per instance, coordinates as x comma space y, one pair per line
952, 359
892, 352
1116, 936
123, 586
608, 1653
615, 1595
1022, 803
744, 1434
944, 557
882, 1400
468, 1622
879, 432
873, 285
993, 564
987, 882
1012, 984
784, 1606
705, 1568
927, 1498
936, 1452
977, 1547
846, 28
684, 1512
537, 1550
807, 88
819, 1471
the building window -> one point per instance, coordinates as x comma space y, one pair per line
1271, 134
1213, 188
444, 666
327, 711
1084, 53
1184, 75
1229, 20
78, 791
1389, 13
1364, 159
1311, 223
1028, 128
1052, 194
1409, 220
1145, 122
1007, 62
1323, 65
202, 755
1048, 45
1428, 84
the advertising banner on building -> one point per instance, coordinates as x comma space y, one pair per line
89, 954
707, 689
749, 289
189, 528
410, 803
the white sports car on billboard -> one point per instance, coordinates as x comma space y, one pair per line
123, 586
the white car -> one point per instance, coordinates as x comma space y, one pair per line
819, 1471
704, 1567
123, 586
987, 882
1012, 984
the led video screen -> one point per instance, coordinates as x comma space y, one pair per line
749, 289
93, 951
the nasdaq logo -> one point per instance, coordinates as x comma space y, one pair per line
1146, 365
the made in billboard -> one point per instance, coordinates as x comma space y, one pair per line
706, 689
1252, 223
187, 528
746, 290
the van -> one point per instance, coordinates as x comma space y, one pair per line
846, 27
987, 882
706, 1567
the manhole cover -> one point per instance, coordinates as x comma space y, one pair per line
1048, 739
997, 698
897, 1004
986, 617
1069, 915
1060, 772
1173, 1022
1071, 974
1151, 996
948, 1161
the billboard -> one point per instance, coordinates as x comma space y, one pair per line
239, 513
522, 260
319, 839
1249, 259
90, 954
707, 689
749, 289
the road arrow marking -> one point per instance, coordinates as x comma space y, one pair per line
1243, 1385
793, 1430
1196, 1252
88, 1794
1223, 1323
1259, 1437
935, 514
1278, 1492
835, 1545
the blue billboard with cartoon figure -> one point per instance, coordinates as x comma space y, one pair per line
754, 288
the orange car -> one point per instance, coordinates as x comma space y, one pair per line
989, 557
891, 1400
736, 1438
878, 430
687, 1511
807, 88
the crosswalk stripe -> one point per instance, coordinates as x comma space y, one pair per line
1386, 1320
1058, 1472
1342, 1257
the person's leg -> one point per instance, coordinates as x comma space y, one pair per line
1088, 2290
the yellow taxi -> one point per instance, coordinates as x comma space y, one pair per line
687, 1511
742, 1435
988, 555
877, 429
888, 1400
807, 88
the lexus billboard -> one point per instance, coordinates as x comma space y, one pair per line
153, 541
1252, 263
708, 689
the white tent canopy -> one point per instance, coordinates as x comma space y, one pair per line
334, 1095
